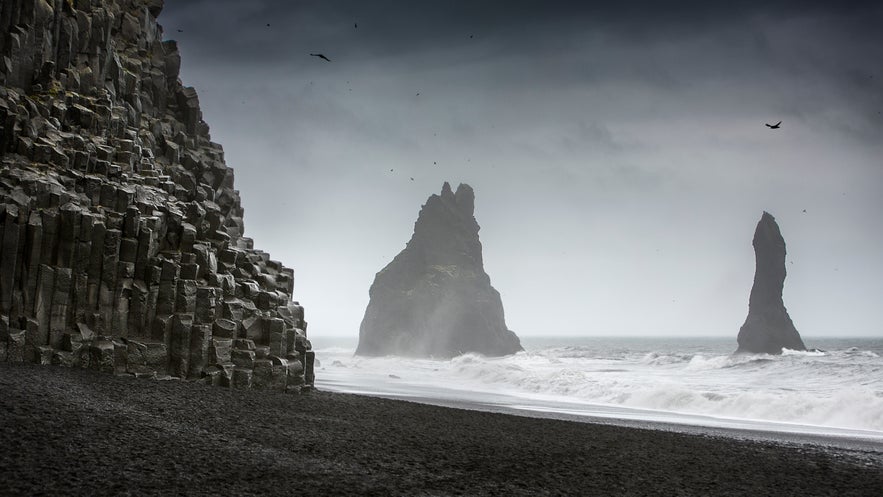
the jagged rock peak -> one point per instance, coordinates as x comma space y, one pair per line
435, 299
121, 232
768, 327
446, 190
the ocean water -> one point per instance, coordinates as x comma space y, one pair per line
835, 391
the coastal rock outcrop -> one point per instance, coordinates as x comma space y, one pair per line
768, 328
435, 299
121, 233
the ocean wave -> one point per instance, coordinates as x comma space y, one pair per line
700, 362
570, 352
842, 388
856, 408
747, 389
855, 351
804, 353
663, 358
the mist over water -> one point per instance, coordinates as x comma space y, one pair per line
684, 380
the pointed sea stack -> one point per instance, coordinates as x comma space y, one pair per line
768, 328
434, 299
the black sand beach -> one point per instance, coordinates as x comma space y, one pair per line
77, 432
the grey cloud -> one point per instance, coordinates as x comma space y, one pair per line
394, 28
592, 133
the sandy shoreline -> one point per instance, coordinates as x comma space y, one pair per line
76, 432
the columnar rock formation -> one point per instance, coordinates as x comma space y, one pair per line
768, 328
434, 299
121, 236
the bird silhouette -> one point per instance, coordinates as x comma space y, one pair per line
412, 179
180, 30
355, 25
773, 126
804, 210
321, 56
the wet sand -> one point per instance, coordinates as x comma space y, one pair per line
76, 432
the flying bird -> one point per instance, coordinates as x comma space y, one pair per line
321, 56
180, 30
412, 178
773, 126
355, 25
804, 210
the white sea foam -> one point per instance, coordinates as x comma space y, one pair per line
811, 353
840, 388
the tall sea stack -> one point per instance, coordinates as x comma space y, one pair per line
121, 233
434, 299
768, 328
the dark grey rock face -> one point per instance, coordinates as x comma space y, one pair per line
768, 328
121, 233
434, 299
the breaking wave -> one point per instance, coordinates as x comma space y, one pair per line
840, 388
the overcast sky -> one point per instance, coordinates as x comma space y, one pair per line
618, 151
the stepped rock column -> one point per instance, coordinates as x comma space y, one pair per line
107, 289
9, 258
179, 349
96, 258
82, 258
32, 260
60, 305
43, 304
165, 301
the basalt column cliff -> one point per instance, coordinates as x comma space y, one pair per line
121, 236
768, 328
434, 299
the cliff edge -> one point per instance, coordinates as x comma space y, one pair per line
121, 233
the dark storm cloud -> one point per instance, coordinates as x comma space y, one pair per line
833, 48
628, 135
391, 28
